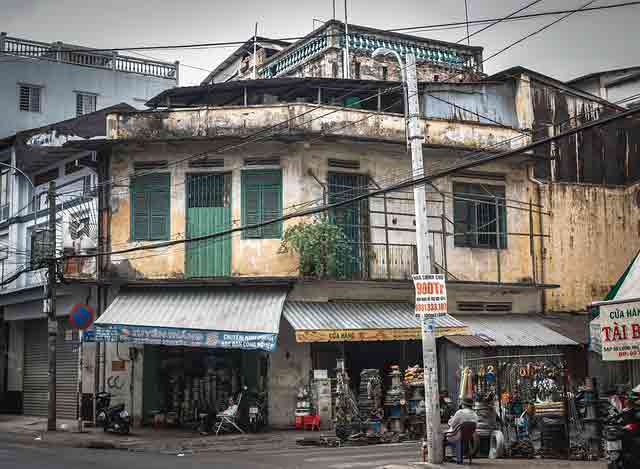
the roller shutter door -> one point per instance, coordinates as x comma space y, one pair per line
35, 370
34, 393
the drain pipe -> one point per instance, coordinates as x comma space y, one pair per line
539, 185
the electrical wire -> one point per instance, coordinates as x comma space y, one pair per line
522, 39
207, 45
498, 21
196, 156
409, 183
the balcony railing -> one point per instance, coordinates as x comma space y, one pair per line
380, 261
59, 52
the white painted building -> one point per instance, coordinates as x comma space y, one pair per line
30, 160
42, 83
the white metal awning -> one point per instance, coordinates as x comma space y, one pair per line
197, 317
361, 322
515, 330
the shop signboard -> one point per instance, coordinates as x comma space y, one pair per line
372, 335
620, 331
431, 295
185, 337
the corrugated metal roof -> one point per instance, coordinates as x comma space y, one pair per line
468, 341
515, 331
231, 310
335, 316
573, 326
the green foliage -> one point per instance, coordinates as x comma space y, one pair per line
322, 248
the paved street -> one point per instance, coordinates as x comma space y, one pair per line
13, 455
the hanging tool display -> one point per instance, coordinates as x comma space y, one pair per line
526, 395
347, 414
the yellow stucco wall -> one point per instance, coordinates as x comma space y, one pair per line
595, 232
250, 257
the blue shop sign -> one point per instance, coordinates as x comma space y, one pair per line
185, 337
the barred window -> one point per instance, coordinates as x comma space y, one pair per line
479, 213
85, 103
29, 99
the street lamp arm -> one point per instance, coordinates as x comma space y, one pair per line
20, 171
384, 52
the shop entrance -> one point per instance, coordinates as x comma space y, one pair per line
180, 383
366, 355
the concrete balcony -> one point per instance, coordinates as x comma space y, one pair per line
297, 119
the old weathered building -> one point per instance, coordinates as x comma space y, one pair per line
289, 143
324, 52
31, 159
516, 237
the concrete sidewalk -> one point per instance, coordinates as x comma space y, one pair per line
509, 464
32, 430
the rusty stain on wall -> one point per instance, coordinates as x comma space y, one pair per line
607, 154
303, 119
594, 236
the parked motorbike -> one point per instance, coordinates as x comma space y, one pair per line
114, 418
257, 404
622, 435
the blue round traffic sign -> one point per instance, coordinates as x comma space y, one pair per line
81, 316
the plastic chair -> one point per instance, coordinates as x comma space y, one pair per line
228, 419
463, 439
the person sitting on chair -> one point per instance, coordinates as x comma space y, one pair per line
453, 436
465, 414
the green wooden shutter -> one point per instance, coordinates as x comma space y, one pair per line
140, 219
151, 207
261, 201
463, 216
251, 210
271, 209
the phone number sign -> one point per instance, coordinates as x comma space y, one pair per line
431, 294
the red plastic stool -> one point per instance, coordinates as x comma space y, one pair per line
312, 421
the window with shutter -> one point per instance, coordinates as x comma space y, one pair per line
474, 216
150, 207
262, 201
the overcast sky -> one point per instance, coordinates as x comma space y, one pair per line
583, 43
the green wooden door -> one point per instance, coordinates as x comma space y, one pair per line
208, 211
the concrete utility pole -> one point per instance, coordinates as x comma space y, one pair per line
346, 72
50, 305
432, 395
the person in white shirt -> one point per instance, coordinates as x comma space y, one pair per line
465, 414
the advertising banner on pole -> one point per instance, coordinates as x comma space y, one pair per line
620, 331
431, 295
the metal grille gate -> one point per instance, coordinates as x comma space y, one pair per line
352, 218
35, 387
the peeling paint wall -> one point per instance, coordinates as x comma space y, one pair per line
250, 257
476, 102
300, 119
289, 368
595, 232
512, 264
